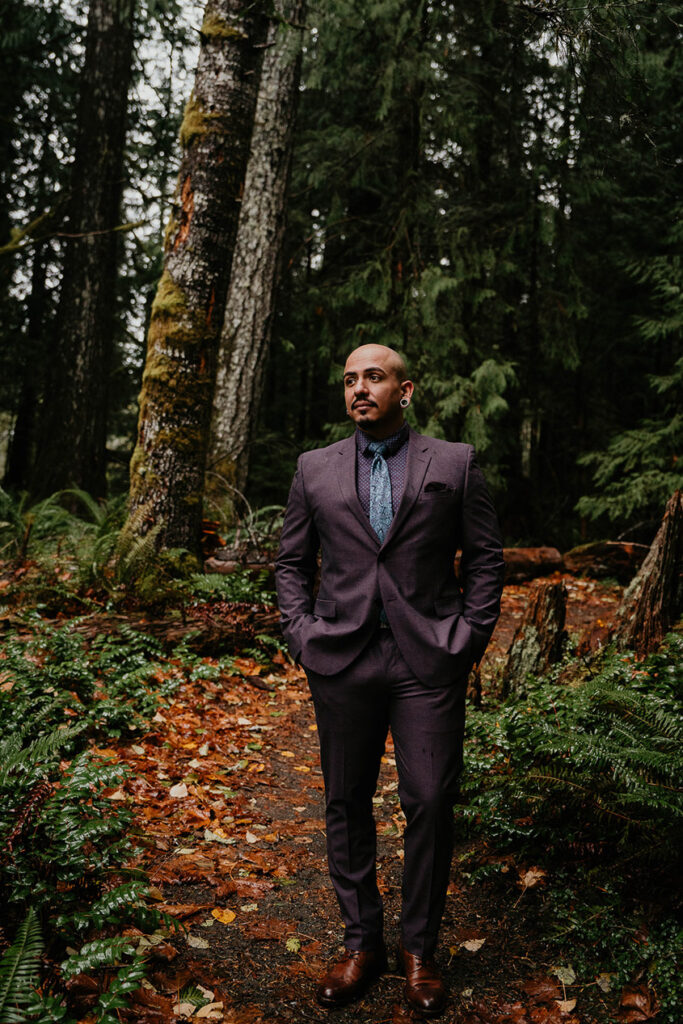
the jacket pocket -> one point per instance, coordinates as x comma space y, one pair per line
325, 609
445, 606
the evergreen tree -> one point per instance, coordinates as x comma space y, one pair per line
74, 415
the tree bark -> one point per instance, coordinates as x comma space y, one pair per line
653, 603
74, 420
245, 336
538, 642
20, 451
167, 468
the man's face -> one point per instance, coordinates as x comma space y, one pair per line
373, 390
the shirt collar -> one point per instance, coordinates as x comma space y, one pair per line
393, 443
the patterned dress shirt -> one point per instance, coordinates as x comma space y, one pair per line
396, 458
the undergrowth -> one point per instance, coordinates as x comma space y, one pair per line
65, 845
585, 778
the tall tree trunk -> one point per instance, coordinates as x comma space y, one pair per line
21, 447
167, 469
249, 308
74, 421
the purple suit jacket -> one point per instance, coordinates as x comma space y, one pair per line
441, 627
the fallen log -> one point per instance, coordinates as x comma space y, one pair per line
540, 637
526, 563
606, 558
653, 603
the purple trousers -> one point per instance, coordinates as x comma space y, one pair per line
354, 711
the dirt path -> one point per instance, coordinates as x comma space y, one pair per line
228, 795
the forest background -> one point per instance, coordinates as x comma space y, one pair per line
203, 208
493, 188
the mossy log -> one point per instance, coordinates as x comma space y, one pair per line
653, 603
540, 637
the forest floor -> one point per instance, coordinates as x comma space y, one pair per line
228, 796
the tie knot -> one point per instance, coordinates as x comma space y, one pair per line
378, 447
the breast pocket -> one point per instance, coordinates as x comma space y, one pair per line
445, 494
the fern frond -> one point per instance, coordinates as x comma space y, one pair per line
97, 954
14, 757
19, 970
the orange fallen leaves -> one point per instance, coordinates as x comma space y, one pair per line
224, 915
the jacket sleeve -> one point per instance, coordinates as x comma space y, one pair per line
296, 564
482, 567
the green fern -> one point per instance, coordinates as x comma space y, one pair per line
97, 954
19, 970
15, 758
600, 762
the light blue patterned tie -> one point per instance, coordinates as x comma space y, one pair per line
381, 510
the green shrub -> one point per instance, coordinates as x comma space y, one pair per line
595, 762
65, 844
586, 779
110, 685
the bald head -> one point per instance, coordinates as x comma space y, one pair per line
389, 357
376, 389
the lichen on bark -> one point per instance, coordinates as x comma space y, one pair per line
216, 27
198, 121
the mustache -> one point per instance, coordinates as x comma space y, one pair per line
362, 401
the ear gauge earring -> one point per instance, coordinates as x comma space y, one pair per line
404, 402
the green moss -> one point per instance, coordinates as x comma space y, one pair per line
196, 122
179, 563
169, 300
171, 231
214, 27
164, 372
180, 439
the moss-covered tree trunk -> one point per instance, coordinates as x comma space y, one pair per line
74, 414
249, 309
167, 469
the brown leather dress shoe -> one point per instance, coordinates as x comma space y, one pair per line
424, 988
350, 976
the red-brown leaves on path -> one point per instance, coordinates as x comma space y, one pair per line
228, 798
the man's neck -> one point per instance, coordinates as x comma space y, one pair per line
381, 432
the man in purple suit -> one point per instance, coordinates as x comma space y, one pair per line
388, 642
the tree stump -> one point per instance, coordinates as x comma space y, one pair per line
653, 603
540, 637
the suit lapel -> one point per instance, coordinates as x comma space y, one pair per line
345, 469
416, 467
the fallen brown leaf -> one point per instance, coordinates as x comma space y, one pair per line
637, 1003
531, 878
542, 990
268, 929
